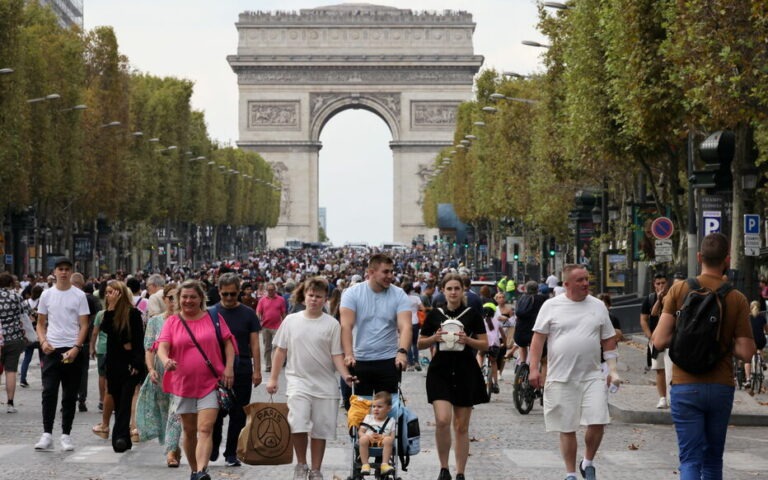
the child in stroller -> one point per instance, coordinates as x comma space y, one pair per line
377, 430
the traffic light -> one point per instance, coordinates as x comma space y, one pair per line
516, 252
717, 152
552, 247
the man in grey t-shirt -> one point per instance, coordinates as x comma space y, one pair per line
376, 312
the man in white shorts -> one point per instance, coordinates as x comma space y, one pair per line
575, 326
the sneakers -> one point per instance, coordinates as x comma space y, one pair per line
587, 472
385, 468
417, 367
301, 471
66, 443
11, 409
495, 388
459, 476
444, 474
100, 406
45, 443
365, 469
662, 403
232, 462
81, 407
24, 384
315, 475
204, 475
570, 477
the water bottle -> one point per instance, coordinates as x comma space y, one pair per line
424, 361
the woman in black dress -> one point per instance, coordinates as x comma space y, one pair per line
124, 361
454, 380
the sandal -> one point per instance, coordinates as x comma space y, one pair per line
135, 435
172, 458
100, 430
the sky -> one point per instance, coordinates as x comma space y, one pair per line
192, 38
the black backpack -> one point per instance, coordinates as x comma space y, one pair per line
695, 345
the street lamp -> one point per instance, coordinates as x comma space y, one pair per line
479, 124
76, 107
530, 43
6, 71
557, 5
50, 96
490, 109
114, 123
515, 75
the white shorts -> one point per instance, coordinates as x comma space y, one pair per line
570, 404
193, 405
313, 415
658, 362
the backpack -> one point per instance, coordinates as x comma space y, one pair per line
695, 345
524, 305
408, 436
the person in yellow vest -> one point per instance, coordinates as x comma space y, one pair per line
511, 290
502, 284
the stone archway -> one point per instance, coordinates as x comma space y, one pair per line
296, 70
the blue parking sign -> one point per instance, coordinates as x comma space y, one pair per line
751, 224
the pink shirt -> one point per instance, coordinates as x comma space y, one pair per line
271, 311
192, 377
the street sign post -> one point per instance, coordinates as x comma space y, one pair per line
752, 244
663, 250
712, 221
662, 228
751, 224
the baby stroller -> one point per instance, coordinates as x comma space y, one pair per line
375, 453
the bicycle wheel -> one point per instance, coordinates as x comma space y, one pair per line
757, 374
487, 375
522, 393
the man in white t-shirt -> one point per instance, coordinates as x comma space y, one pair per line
574, 326
62, 327
552, 281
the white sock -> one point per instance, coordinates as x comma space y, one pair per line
586, 463
570, 474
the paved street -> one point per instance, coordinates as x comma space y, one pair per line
506, 445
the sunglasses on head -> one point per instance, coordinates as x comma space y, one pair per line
228, 294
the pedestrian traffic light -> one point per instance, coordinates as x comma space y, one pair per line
516, 251
552, 247
717, 152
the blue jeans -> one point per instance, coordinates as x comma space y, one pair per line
701, 412
413, 350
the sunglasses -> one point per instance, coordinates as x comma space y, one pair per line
228, 294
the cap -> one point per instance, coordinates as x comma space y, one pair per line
62, 261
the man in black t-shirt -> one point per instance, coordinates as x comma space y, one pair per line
526, 311
245, 327
650, 311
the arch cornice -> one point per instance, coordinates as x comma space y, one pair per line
323, 106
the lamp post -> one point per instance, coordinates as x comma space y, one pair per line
6, 71
531, 43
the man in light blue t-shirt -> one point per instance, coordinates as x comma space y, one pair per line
376, 311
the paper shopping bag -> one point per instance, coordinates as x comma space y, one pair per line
266, 437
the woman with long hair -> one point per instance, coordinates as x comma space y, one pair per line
153, 416
124, 363
188, 376
31, 304
455, 330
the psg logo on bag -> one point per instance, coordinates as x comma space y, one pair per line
272, 432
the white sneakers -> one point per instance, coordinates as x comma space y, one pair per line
11, 409
662, 403
46, 443
301, 471
66, 443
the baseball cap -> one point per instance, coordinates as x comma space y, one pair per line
63, 261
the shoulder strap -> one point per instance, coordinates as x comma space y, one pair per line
693, 284
384, 425
213, 312
199, 348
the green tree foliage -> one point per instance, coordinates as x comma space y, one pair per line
137, 153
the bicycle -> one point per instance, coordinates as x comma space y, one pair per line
487, 371
523, 394
758, 377
739, 373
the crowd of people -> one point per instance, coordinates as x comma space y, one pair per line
165, 343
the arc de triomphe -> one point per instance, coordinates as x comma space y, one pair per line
296, 70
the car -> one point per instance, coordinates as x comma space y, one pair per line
476, 285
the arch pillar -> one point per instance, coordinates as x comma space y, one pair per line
295, 164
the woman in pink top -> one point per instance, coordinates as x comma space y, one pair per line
188, 377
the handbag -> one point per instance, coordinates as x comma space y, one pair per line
266, 437
224, 395
29, 330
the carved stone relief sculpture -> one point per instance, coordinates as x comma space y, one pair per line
273, 114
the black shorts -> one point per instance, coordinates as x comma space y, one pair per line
523, 337
375, 376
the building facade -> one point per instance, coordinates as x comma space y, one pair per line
69, 12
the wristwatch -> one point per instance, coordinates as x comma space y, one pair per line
403, 351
